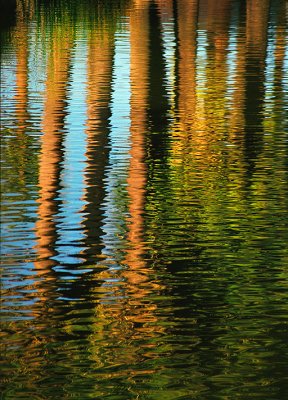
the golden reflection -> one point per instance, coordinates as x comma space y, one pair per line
202, 74
139, 66
137, 276
202, 100
51, 154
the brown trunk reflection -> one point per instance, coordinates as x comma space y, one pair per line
165, 8
139, 311
187, 12
52, 140
256, 25
139, 65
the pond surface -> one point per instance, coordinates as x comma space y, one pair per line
144, 200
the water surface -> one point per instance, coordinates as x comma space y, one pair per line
144, 199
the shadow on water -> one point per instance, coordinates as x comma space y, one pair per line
7, 18
158, 97
256, 43
100, 67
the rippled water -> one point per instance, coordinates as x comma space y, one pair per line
144, 199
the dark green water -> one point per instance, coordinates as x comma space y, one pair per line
144, 200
